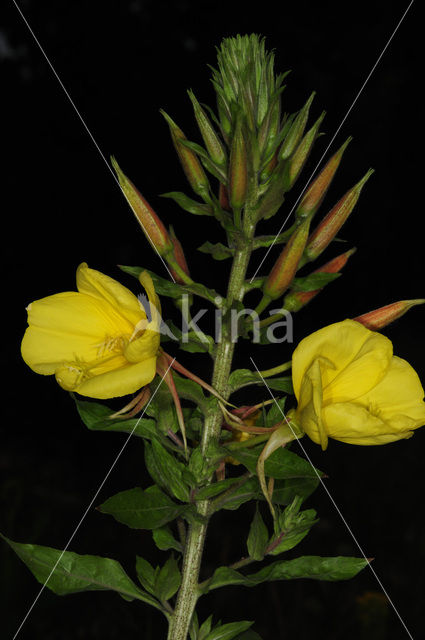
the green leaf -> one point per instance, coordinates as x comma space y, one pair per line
140, 509
249, 490
286, 490
282, 463
165, 540
218, 251
276, 413
74, 573
168, 580
146, 574
228, 631
243, 377
186, 203
214, 489
258, 537
313, 281
205, 628
166, 470
96, 417
292, 525
191, 390
267, 241
311, 567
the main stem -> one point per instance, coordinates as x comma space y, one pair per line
189, 592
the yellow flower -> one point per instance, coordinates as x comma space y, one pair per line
351, 387
98, 341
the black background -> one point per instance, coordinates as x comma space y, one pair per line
121, 62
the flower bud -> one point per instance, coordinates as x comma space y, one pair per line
188, 159
375, 320
152, 226
317, 190
210, 137
302, 152
297, 299
333, 221
286, 265
179, 257
296, 131
238, 169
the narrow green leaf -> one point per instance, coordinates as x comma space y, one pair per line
313, 281
168, 580
189, 205
146, 574
74, 573
218, 251
214, 489
258, 537
276, 412
243, 377
229, 631
282, 463
284, 384
205, 628
165, 540
96, 417
166, 470
142, 509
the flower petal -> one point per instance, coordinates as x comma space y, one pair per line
97, 284
144, 347
119, 382
68, 326
309, 411
339, 346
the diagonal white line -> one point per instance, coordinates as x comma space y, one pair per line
90, 505
333, 138
87, 130
335, 505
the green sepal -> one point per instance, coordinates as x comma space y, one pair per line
168, 580
165, 540
218, 251
96, 418
166, 470
188, 204
258, 537
138, 509
228, 631
311, 567
73, 573
313, 281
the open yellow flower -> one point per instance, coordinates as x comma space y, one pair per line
98, 341
351, 387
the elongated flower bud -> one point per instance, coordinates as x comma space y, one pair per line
297, 299
314, 195
212, 141
188, 159
152, 226
286, 265
296, 131
379, 318
302, 152
333, 221
179, 257
238, 169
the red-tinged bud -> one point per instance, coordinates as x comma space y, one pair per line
297, 299
317, 190
333, 221
286, 265
296, 131
179, 257
375, 320
223, 197
302, 152
152, 226
238, 169
213, 143
188, 159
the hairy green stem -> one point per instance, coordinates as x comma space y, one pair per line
189, 590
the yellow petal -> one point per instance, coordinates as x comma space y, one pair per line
146, 281
144, 347
309, 411
67, 326
353, 423
119, 382
338, 346
96, 284
399, 398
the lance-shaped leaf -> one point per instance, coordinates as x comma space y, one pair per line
228, 631
218, 251
186, 203
281, 464
168, 580
243, 377
140, 509
166, 470
165, 540
258, 537
96, 417
302, 152
72, 573
296, 131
